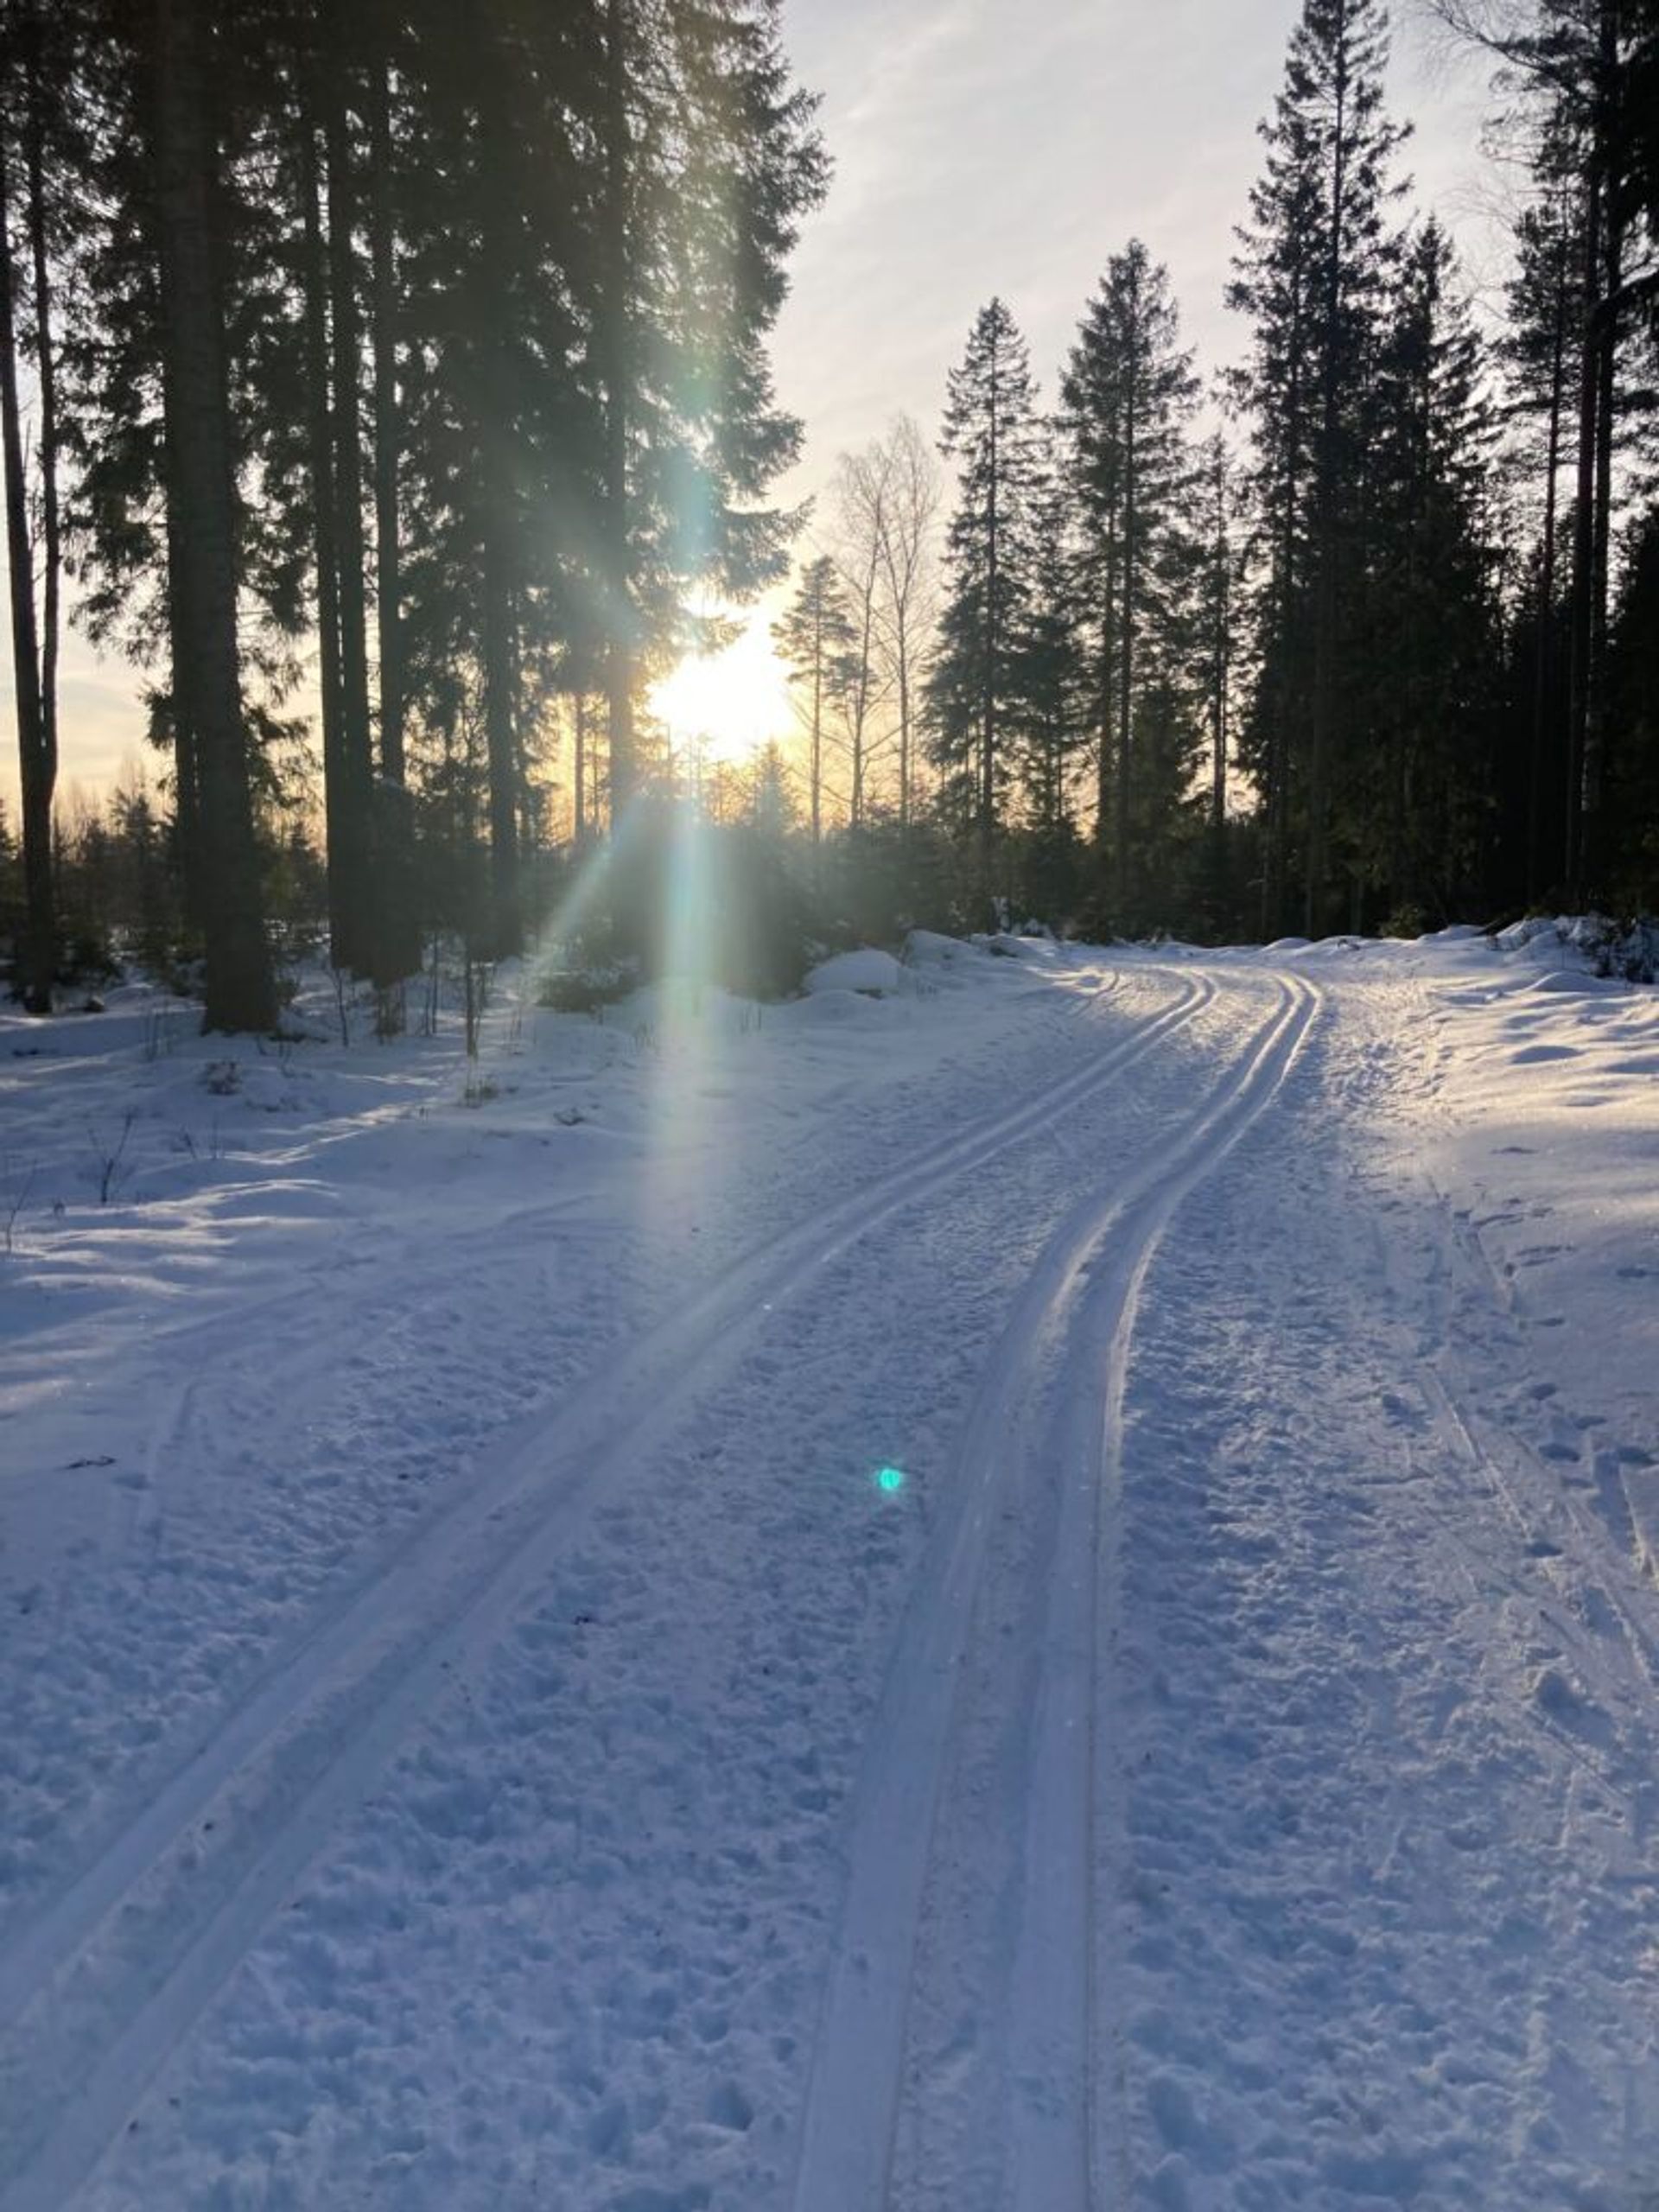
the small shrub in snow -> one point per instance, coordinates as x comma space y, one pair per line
19, 1183
109, 1156
587, 989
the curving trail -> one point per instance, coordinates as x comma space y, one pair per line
113, 1969
1216, 1772
1052, 1399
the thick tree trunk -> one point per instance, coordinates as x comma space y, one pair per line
201, 505
38, 875
616, 368
186, 781
36, 764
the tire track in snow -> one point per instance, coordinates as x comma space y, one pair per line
1067, 1345
115, 1968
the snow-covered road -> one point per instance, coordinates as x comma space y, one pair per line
479, 1733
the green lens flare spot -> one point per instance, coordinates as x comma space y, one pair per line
890, 1479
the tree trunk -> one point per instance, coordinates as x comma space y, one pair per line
1221, 662
578, 748
500, 723
613, 330
817, 726
356, 741
1584, 626
38, 889
388, 578
986, 796
1108, 690
200, 495
187, 781
39, 949
1595, 718
904, 726
1125, 662
1541, 684
326, 552
1327, 525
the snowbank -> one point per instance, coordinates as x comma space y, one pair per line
870, 971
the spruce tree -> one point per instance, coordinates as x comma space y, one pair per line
1539, 358
992, 431
1311, 273
1429, 651
1128, 394
1050, 721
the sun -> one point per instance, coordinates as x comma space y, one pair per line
731, 702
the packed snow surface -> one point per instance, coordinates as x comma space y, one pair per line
1033, 1593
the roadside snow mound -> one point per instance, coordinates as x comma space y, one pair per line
927, 948
1019, 945
1585, 944
875, 975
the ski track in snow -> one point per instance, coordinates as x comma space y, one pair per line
860, 2087
1221, 1779
94, 1997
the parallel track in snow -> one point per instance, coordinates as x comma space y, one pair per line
120, 1962
1053, 1395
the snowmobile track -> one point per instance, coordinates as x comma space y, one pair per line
1059, 1373
114, 1968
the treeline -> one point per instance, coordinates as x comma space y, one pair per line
1385, 648
393, 374
398, 369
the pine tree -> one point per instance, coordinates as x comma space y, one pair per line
816, 640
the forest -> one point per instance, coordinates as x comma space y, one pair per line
389, 383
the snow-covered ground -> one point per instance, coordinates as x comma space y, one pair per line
1026, 1585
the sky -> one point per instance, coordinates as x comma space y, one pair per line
985, 147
